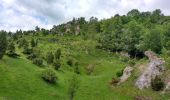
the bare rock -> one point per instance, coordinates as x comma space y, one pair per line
126, 74
154, 68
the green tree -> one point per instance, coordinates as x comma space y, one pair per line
11, 50
3, 43
131, 37
152, 41
134, 13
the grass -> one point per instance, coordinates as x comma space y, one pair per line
21, 80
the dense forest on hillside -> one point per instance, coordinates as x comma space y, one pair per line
82, 60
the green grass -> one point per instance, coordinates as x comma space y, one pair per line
21, 80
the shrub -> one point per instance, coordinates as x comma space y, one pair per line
76, 68
49, 57
132, 62
57, 64
58, 54
157, 84
32, 56
49, 76
38, 62
114, 81
70, 62
27, 50
119, 73
124, 59
33, 43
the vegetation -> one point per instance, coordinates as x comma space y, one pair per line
3, 43
157, 84
49, 76
84, 58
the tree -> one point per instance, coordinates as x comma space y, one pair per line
134, 13
131, 37
37, 29
11, 50
3, 43
49, 57
156, 16
152, 41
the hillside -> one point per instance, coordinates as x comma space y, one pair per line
20, 79
89, 60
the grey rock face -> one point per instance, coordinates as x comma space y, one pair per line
126, 74
155, 67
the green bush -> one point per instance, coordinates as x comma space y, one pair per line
132, 62
38, 62
49, 57
70, 62
57, 54
57, 64
157, 84
32, 56
119, 73
49, 76
76, 68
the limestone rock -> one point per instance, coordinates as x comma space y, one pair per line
126, 74
154, 68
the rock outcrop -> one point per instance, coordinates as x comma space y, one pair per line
154, 68
126, 74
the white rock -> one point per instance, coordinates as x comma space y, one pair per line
155, 67
126, 74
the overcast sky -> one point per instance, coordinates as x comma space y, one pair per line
26, 14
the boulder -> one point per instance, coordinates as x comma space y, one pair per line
126, 74
154, 68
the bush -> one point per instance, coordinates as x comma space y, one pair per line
70, 62
114, 81
49, 57
38, 62
13, 54
58, 54
157, 84
27, 51
132, 62
124, 59
76, 68
119, 73
57, 64
32, 56
49, 76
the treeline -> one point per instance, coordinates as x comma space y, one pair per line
134, 32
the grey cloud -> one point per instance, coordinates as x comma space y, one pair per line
26, 14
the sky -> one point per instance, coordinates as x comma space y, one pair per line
26, 14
